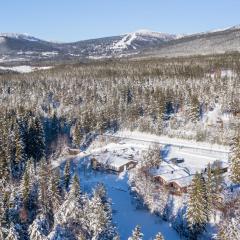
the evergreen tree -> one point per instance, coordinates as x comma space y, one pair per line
136, 234
44, 198
55, 190
25, 187
13, 233
197, 215
77, 134
20, 155
36, 140
67, 174
229, 229
235, 159
193, 109
72, 209
159, 236
39, 229
96, 217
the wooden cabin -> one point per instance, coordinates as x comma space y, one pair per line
114, 164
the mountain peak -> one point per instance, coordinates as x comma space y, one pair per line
24, 36
129, 40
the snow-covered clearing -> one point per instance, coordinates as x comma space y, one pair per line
196, 155
25, 68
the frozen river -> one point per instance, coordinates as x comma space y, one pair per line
125, 213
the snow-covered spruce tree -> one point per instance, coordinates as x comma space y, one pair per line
212, 193
97, 218
159, 236
67, 174
77, 134
197, 215
110, 230
55, 190
136, 234
235, 159
20, 155
229, 229
5, 207
39, 229
193, 109
72, 208
25, 187
45, 203
36, 146
13, 233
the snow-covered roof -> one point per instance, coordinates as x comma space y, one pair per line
163, 168
184, 181
111, 159
173, 175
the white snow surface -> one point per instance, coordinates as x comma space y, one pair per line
141, 34
25, 68
126, 214
165, 140
196, 155
20, 36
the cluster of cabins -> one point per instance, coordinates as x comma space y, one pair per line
171, 174
176, 179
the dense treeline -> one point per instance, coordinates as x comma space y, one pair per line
42, 111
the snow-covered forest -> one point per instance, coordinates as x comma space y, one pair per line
44, 112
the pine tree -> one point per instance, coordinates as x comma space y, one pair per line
110, 230
136, 234
197, 215
72, 208
36, 140
13, 233
229, 229
96, 217
159, 236
67, 174
235, 159
20, 155
25, 186
55, 190
77, 135
39, 229
193, 110
44, 198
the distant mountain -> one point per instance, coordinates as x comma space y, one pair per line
22, 47
212, 42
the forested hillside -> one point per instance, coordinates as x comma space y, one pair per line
45, 111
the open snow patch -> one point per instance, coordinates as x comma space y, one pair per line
24, 68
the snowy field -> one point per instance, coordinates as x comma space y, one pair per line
24, 68
126, 213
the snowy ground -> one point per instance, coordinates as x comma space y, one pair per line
126, 214
24, 68
196, 155
125, 208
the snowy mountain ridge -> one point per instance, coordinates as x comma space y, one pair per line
140, 43
142, 35
24, 36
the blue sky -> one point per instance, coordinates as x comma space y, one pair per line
71, 20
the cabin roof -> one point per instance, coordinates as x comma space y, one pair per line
112, 160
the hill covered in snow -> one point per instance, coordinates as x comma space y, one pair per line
23, 47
